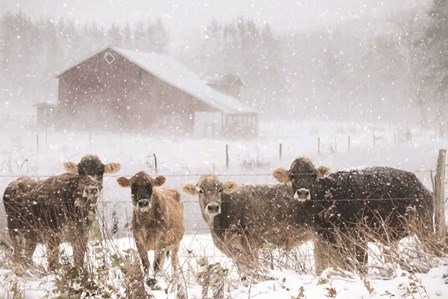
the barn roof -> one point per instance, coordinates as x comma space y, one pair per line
172, 72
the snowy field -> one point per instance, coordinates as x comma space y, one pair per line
280, 283
27, 151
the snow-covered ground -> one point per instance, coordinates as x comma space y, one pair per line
27, 151
283, 282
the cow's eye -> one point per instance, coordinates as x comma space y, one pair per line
220, 190
200, 191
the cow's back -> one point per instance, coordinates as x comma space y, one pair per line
172, 209
265, 212
380, 197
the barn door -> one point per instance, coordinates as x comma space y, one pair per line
207, 124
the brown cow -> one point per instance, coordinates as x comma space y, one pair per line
243, 219
157, 220
352, 207
60, 208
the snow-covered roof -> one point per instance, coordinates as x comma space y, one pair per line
170, 71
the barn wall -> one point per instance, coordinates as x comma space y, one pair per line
124, 96
94, 93
171, 109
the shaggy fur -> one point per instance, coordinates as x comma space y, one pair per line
246, 218
60, 208
388, 203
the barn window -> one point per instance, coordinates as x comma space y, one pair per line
109, 57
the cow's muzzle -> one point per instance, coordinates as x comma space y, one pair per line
213, 209
144, 204
91, 192
302, 195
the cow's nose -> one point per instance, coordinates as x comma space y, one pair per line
143, 203
302, 194
213, 208
93, 191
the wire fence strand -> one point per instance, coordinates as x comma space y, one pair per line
173, 175
31, 203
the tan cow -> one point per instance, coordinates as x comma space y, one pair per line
157, 219
243, 219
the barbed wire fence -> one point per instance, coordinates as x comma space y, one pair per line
324, 144
195, 224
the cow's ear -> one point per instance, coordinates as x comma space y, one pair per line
190, 189
281, 174
124, 182
159, 181
112, 167
71, 167
229, 187
322, 172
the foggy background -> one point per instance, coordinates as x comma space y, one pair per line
330, 60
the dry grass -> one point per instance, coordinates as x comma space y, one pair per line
251, 163
110, 269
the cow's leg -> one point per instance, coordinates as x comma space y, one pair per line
361, 252
175, 259
245, 251
249, 264
143, 255
159, 260
53, 254
23, 247
321, 254
79, 251
18, 242
30, 247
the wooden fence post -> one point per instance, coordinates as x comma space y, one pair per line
90, 139
348, 143
227, 156
155, 162
280, 149
318, 145
439, 196
37, 142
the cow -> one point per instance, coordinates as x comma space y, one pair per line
59, 208
157, 220
349, 208
243, 219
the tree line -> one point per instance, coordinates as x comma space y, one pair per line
350, 70
33, 52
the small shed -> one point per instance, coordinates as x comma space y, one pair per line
119, 89
45, 114
230, 84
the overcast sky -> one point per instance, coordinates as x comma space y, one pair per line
183, 15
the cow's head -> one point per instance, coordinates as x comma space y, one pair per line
88, 192
302, 175
141, 189
209, 190
91, 165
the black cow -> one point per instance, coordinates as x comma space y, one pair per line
349, 208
